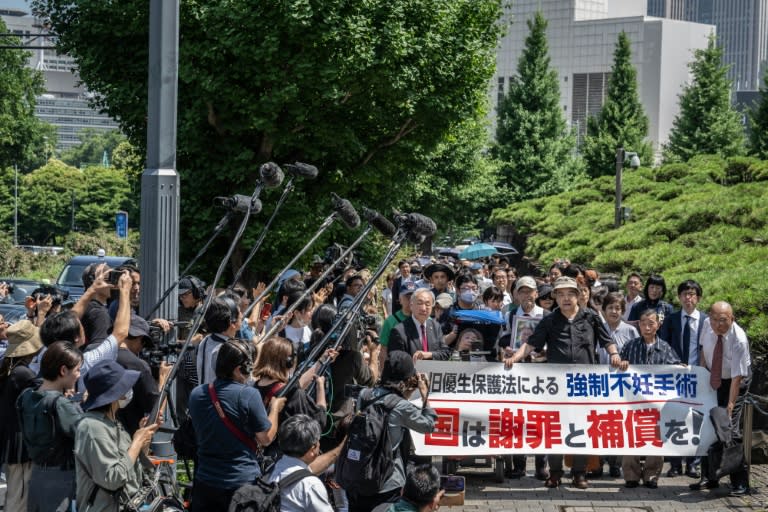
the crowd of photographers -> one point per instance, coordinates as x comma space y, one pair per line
78, 385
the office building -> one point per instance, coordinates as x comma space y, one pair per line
65, 102
742, 32
582, 36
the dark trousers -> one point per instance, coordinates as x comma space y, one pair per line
519, 462
740, 477
556, 464
368, 503
206, 498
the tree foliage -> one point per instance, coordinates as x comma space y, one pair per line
707, 123
47, 195
621, 122
20, 131
354, 88
532, 138
758, 123
93, 144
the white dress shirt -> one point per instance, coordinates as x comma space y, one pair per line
736, 358
308, 494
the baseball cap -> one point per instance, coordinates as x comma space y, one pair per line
564, 282
527, 282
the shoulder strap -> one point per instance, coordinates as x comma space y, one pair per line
293, 478
250, 443
273, 389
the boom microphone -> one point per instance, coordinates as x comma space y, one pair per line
302, 170
417, 224
271, 175
346, 211
239, 203
379, 222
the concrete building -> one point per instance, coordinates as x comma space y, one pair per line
65, 102
742, 29
582, 36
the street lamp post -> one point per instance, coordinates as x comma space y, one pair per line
622, 157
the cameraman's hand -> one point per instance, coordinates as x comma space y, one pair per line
165, 370
143, 436
162, 323
277, 404
44, 305
100, 283
125, 283
423, 386
331, 354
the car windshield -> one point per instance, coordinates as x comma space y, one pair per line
72, 275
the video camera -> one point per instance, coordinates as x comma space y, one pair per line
161, 346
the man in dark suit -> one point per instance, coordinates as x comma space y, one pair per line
682, 330
420, 335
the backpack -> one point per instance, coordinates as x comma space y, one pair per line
367, 459
39, 428
262, 496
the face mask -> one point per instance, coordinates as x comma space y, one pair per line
468, 297
123, 402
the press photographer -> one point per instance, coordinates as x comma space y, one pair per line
146, 390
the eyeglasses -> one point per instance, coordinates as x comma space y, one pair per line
468, 288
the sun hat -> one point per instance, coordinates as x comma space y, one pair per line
106, 382
23, 339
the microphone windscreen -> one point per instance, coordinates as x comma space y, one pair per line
379, 222
416, 238
271, 175
421, 224
346, 211
300, 169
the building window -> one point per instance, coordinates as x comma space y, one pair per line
500, 92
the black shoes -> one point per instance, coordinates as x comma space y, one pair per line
580, 482
631, 484
673, 472
614, 471
541, 475
514, 473
652, 484
692, 472
739, 490
704, 484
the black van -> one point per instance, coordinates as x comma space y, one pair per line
71, 276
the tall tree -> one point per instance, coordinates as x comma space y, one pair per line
707, 122
621, 121
355, 88
532, 138
758, 123
20, 130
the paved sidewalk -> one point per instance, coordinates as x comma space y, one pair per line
605, 495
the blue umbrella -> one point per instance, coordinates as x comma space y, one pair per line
477, 251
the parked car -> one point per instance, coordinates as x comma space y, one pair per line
13, 312
21, 289
71, 277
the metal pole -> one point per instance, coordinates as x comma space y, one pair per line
16, 207
72, 227
619, 167
159, 256
749, 412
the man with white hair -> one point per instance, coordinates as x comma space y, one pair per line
420, 335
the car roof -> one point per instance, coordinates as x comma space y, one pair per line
112, 261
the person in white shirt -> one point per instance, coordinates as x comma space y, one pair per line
223, 318
634, 293
724, 351
299, 439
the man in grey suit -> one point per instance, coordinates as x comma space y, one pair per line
682, 330
420, 335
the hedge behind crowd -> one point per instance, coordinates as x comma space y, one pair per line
704, 220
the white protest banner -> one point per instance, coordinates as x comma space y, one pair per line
484, 409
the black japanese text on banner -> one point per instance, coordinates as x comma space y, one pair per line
484, 409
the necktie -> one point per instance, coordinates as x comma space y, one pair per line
716, 377
424, 345
685, 356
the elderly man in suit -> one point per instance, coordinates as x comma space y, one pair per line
682, 330
420, 335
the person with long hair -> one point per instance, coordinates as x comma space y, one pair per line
52, 484
15, 377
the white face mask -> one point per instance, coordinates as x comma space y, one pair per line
123, 402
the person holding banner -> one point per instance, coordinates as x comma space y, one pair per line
570, 334
724, 351
647, 349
